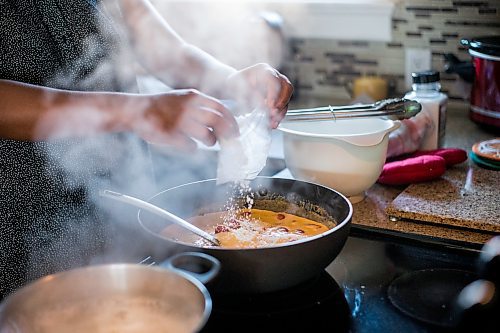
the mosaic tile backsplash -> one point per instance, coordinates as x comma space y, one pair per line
323, 68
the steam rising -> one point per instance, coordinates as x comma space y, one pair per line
123, 161
235, 32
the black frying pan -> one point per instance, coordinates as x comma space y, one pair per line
260, 269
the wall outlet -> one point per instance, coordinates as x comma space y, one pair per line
416, 60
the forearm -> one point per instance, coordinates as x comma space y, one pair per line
32, 113
199, 70
165, 54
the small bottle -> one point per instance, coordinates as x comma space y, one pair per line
426, 91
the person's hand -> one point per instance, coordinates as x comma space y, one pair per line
261, 85
179, 116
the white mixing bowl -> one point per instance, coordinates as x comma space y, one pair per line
345, 155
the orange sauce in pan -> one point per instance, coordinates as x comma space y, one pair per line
250, 228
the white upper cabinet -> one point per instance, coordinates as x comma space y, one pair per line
336, 19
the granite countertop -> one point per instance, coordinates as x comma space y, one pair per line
461, 208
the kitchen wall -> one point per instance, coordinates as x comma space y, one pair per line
323, 67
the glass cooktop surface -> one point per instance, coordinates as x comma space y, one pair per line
372, 286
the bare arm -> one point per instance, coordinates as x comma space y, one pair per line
180, 64
163, 52
31, 113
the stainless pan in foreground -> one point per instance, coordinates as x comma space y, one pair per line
111, 298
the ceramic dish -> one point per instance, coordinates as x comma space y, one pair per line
489, 149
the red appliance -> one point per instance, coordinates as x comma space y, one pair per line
484, 74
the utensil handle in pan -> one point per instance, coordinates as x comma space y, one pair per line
158, 211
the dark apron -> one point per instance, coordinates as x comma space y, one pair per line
49, 219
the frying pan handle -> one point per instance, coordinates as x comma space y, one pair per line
199, 265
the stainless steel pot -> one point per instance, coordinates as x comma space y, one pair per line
113, 298
266, 269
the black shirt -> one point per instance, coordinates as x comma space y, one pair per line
47, 220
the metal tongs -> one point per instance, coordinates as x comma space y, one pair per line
397, 107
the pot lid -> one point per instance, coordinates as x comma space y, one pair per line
486, 44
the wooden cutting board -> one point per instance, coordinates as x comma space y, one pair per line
466, 196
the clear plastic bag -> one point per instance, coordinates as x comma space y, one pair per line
244, 157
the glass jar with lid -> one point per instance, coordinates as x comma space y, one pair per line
426, 89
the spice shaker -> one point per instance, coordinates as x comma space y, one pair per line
426, 90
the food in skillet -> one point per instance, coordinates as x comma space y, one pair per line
249, 228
